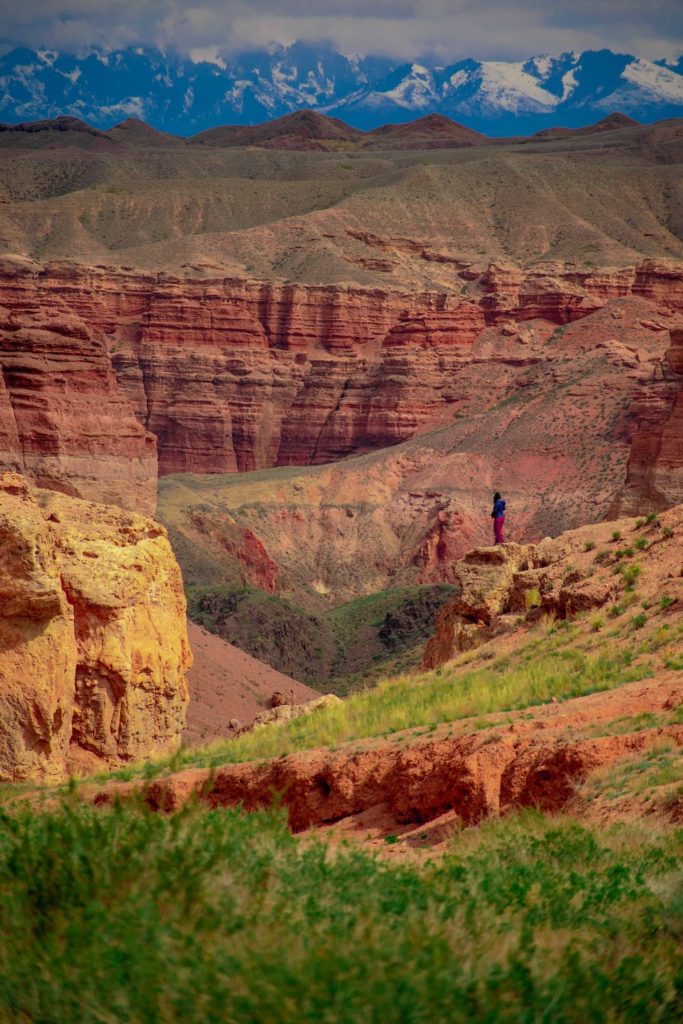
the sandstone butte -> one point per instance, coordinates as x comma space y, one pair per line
230, 374
93, 640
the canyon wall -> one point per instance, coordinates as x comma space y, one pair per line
655, 469
232, 375
93, 638
64, 420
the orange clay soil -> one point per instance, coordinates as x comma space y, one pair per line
457, 774
228, 685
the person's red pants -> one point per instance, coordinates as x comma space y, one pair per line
498, 524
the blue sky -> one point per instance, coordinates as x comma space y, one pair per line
399, 28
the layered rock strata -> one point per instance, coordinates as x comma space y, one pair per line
233, 374
93, 639
655, 468
64, 421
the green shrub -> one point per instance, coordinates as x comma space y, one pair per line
124, 917
651, 518
616, 535
630, 575
641, 543
667, 532
589, 545
638, 621
666, 602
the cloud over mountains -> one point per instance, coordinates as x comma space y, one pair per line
407, 29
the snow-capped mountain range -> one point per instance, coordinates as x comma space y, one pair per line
184, 95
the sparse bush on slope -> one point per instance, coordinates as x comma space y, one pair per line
338, 650
207, 916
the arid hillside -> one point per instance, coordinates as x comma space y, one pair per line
521, 297
371, 216
566, 447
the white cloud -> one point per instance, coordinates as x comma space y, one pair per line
448, 29
206, 54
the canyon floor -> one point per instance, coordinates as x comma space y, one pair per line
276, 390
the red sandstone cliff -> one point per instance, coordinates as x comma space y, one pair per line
233, 375
655, 468
63, 418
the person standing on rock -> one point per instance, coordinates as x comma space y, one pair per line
498, 516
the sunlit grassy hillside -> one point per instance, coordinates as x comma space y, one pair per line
552, 661
125, 917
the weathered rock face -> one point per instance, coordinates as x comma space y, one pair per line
93, 640
479, 772
655, 468
232, 374
503, 587
280, 714
487, 578
63, 419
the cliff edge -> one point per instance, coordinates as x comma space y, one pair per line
93, 639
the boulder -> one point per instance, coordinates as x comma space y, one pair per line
284, 713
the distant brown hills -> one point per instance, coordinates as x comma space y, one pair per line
303, 130
606, 124
308, 199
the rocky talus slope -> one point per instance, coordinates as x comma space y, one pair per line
93, 639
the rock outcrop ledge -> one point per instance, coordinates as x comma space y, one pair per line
93, 638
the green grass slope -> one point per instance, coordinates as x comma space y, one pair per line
125, 917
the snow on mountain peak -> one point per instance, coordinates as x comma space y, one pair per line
47, 56
509, 86
496, 97
416, 91
661, 82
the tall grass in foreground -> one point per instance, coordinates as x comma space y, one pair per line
430, 699
124, 917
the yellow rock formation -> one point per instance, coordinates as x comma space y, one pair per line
93, 641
